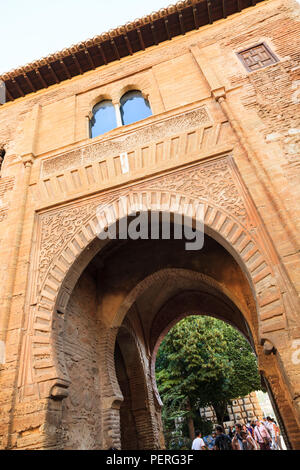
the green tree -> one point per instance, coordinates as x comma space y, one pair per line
203, 362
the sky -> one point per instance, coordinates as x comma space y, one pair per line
32, 29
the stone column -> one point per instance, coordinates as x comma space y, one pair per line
88, 118
118, 113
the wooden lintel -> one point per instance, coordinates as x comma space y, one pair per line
45, 85
53, 73
90, 59
10, 97
112, 41
166, 21
65, 68
29, 82
128, 44
180, 16
141, 38
210, 18
102, 54
21, 92
196, 18
224, 9
77, 64
154, 34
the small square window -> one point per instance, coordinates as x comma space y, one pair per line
257, 57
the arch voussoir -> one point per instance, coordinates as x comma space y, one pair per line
227, 229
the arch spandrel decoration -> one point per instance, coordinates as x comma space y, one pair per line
68, 239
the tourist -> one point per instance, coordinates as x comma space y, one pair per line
248, 441
277, 436
250, 429
214, 436
244, 428
272, 428
198, 442
237, 441
262, 436
210, 441
230, 432
222, 441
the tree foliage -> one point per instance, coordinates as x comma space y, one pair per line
204, 362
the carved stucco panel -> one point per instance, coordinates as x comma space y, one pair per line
107, 148
212, 181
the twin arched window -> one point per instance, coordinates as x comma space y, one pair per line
106, 116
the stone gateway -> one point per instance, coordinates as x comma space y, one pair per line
192, 110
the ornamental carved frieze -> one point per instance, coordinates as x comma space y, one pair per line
58, 228
151, 133
212, 181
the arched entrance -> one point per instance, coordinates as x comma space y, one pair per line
233, 268
147, 298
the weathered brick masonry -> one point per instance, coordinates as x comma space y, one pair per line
82, 318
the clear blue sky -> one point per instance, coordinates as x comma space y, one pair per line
31, 29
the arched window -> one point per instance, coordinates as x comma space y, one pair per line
104, 118
134, 107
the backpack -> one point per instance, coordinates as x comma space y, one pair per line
224, 442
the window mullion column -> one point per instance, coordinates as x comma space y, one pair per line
118, 114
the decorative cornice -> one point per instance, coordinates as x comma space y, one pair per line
153, 29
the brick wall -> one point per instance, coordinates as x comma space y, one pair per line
52, 122
81, 416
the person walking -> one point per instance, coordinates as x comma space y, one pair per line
222, 441
277, 436
198, 442
248, 441
272, 431
237, 441
262, 436
230, 432
209, 441
252, 424
250, 429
